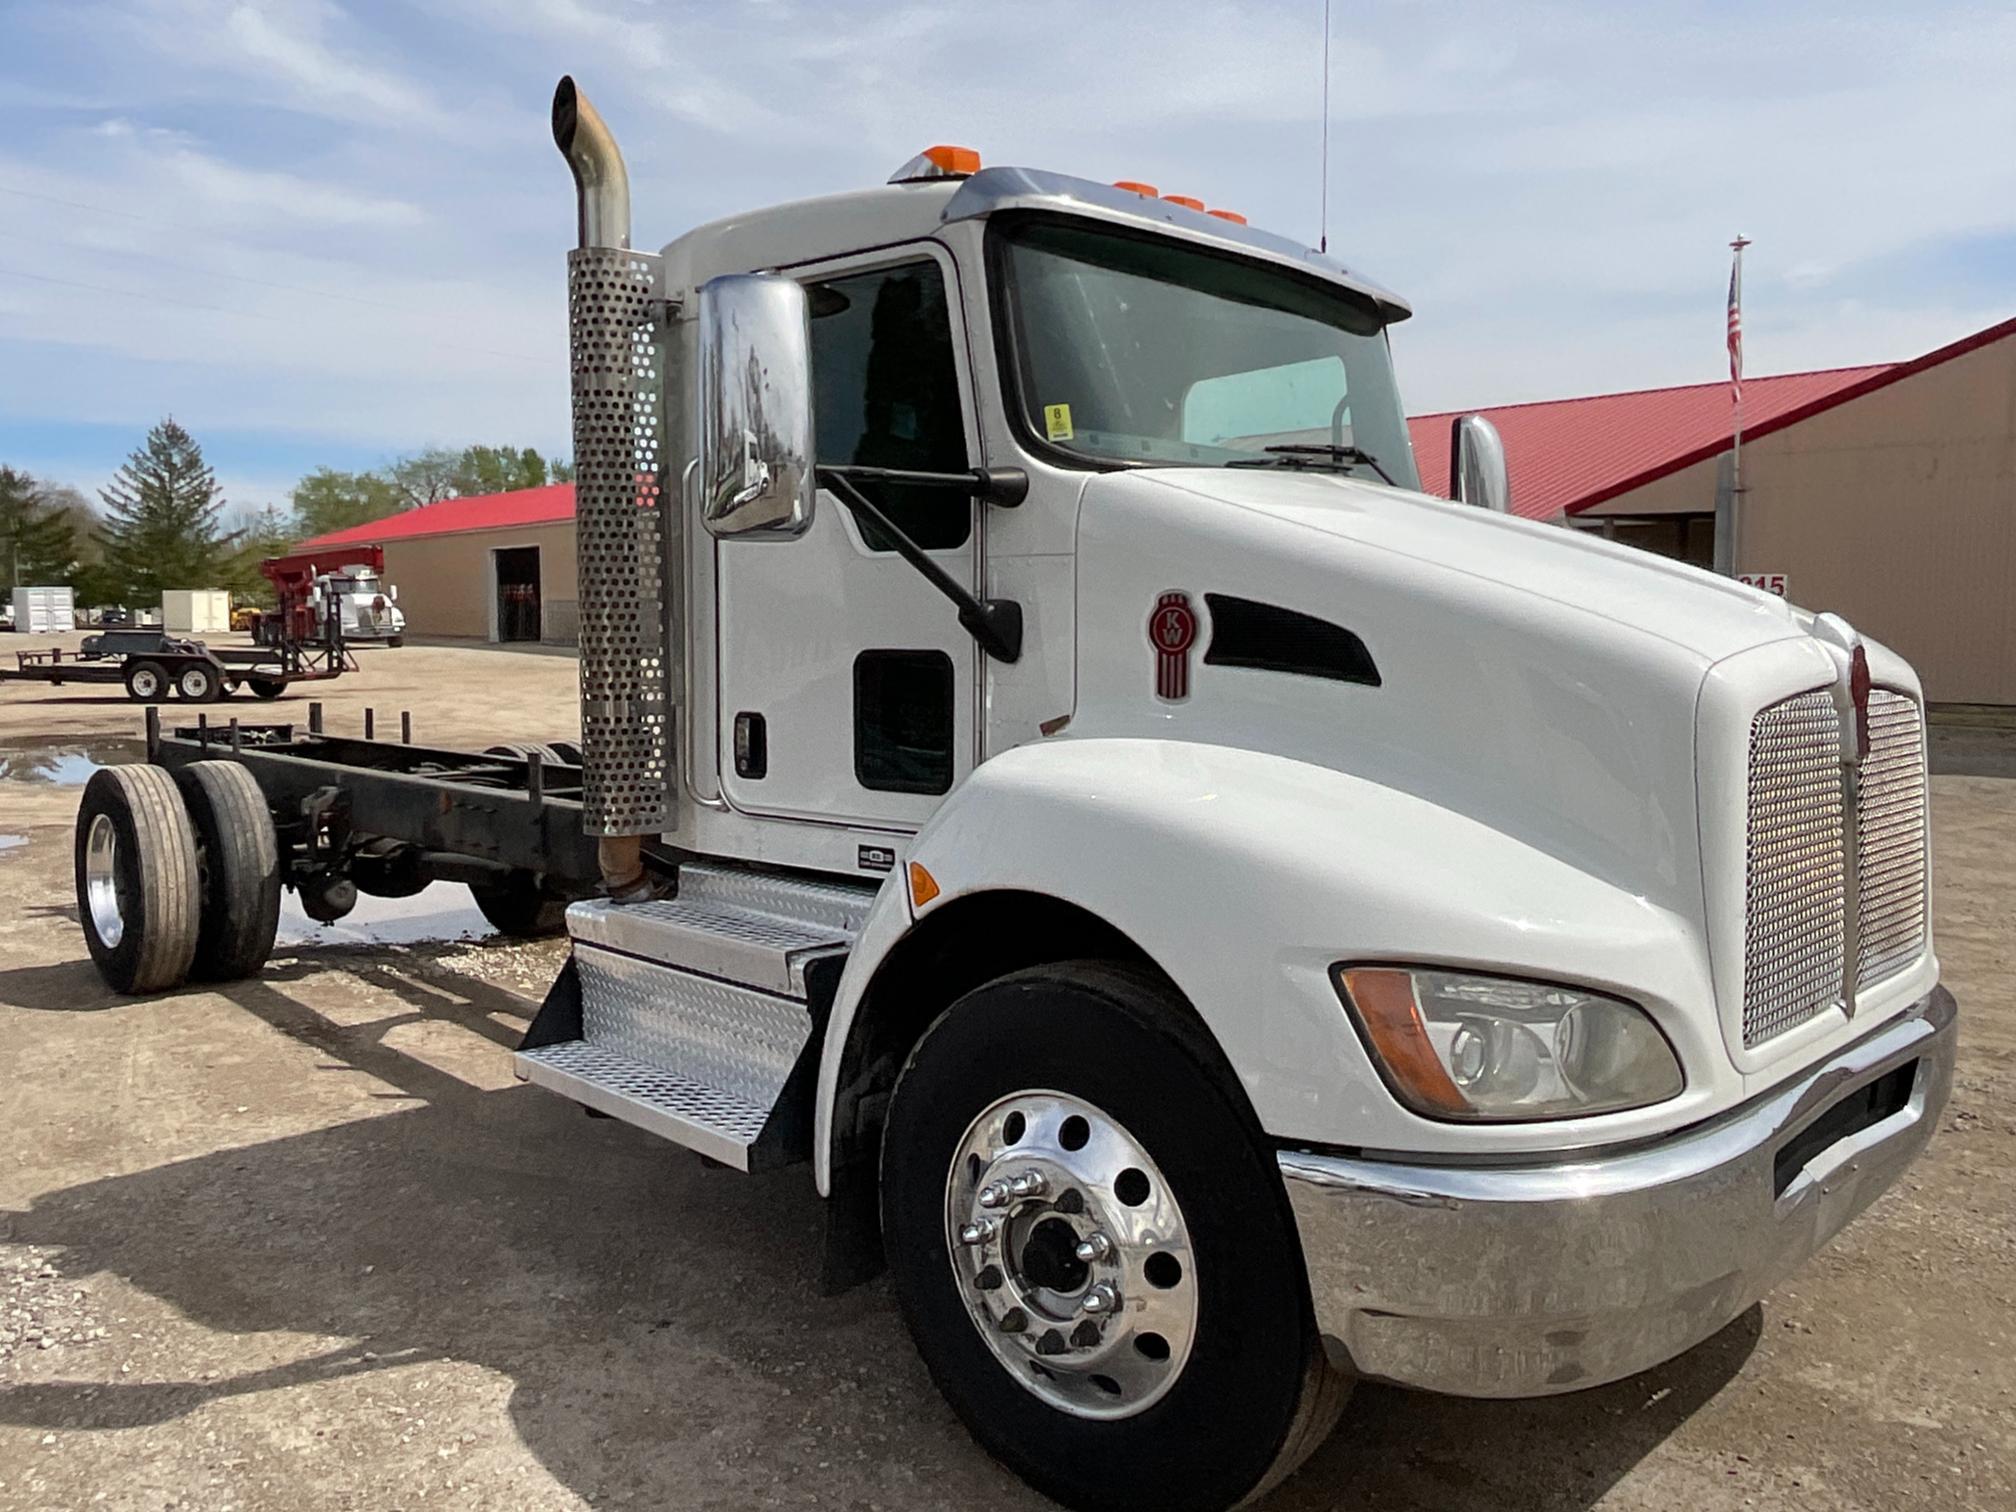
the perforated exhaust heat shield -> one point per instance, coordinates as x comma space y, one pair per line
619, 529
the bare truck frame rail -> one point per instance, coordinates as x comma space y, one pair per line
388, 817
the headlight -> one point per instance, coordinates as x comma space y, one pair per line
1456, 1044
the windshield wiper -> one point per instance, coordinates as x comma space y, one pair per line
1310, 457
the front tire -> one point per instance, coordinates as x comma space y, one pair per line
1134, 1331
137, 894
147, 681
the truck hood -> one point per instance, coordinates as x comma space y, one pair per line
1712, 615
1531, 677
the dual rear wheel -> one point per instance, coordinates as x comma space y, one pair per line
178, 875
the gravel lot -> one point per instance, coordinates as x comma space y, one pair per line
303, 1242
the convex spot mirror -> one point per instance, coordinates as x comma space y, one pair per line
1477, 471
755, 398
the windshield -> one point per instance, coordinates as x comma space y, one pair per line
1135, 348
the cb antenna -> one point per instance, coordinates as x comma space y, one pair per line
1323, 213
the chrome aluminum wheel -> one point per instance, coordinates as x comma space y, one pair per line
101, 882
1072, 1255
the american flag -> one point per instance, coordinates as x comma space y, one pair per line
1736, 322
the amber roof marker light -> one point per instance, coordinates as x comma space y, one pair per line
940, 162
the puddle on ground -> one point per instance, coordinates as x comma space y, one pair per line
440, 912
64, 763
11, 842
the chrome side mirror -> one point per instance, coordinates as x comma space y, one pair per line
755, 396
1477, 472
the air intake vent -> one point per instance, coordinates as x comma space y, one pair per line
1268, 638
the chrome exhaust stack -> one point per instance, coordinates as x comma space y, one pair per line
620, 504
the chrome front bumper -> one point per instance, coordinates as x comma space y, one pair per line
1525, 1280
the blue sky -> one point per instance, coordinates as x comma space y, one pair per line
326, 231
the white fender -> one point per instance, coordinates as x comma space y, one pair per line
1245, 876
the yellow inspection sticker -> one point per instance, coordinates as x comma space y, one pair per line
1057, 421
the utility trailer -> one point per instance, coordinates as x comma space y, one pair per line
152, 664
1217, 921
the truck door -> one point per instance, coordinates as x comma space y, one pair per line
846, 684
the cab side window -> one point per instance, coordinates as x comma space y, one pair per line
886, 394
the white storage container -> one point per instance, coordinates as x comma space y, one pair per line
44, 611
195, 611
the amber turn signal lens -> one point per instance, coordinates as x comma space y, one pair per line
1231, 215
923, 886
1384, 998
1135, 186
1185, 201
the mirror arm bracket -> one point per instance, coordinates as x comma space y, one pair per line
1005, 486
995, 623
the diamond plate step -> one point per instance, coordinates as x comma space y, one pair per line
695, 1016
718, 939
718, 1124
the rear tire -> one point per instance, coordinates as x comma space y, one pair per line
520, 908
265, 687
198, 683
137, 892
1235, 1390
238, 859
147, 681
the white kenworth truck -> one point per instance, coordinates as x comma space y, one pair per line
1218, 921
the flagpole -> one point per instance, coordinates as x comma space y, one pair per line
1736, 369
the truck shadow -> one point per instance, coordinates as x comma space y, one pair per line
660, 1324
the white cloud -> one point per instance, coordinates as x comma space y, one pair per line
344, 220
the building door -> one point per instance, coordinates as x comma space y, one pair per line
846, 683
517, 593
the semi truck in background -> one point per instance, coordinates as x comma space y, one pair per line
313, 590
1217, 922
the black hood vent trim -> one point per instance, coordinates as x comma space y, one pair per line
1269, 638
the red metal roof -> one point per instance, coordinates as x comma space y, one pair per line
1567, 454
524, 506
1572, 454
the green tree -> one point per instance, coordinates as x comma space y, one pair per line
161, 519
38, 545
425, 477
500, 469
328, 500
259, 533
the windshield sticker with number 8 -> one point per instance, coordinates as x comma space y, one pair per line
1057, 421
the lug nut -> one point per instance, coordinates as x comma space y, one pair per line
1093, 1247
1028, 1184
1014, 1321
993, 1195
978, 1233
1101, 1299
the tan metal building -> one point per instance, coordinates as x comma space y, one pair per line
1886, 494
496, 568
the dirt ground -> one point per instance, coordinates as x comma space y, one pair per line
303, 1243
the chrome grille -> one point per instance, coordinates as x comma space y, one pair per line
1796, 885
1890, 839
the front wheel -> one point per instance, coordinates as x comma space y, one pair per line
147, 681
1093, 1250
